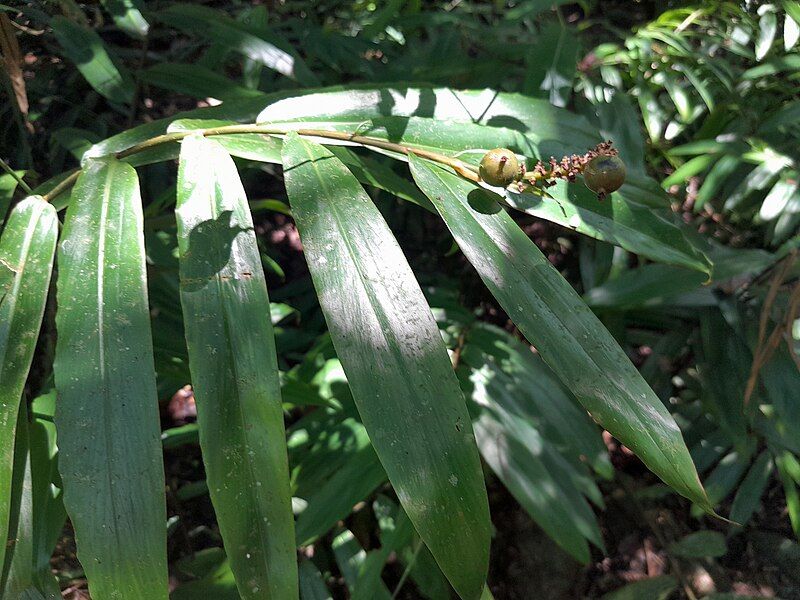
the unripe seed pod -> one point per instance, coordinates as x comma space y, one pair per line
499, 167
604, 174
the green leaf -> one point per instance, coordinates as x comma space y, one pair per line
538, 396
653, 588
336, 471
636, 228
789, 470
196, 81
234, 371
517, 454
27, 247
395, 532
312, 586
689, 169
215, 577
84, 47
650, 286
551, 63
17, 572
395, 361
258, 44
8, 185
548, 129
128, 17
748, 496
767, 28
715, 179
109, 450
723, 479
352, 559
570, 339
790, 62
699, 545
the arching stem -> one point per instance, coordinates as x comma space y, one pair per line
465, 170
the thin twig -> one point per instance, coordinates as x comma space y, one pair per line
19, 179
765, 347
63, 186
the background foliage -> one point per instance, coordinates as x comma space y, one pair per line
691, 269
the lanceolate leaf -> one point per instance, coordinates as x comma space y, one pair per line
26, 261
128, 16
638, 229
395, 361
566, 333
260, 45
552, 130
85, 48
107, 418
234, 372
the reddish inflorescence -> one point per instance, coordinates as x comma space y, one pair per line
545, 173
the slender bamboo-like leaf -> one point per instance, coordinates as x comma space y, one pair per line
312, 586
214, 577
260, 45
17, 572
234, 371
339, 470
46, 493
196, 81
26, 262
699, 545
550, 129
638, 229
352, 560
570, 339
109, 449
27, 570
128, 17
748, 496
8, 185
84, 47
395, 361
551, 63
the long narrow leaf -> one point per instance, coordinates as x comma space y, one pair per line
638, 229
234, 371
85, 48
260, 45
26, 262
566, 333
109, 448
395, 361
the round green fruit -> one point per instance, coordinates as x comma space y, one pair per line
604, 174
499, 167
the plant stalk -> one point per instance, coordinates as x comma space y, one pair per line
465, 170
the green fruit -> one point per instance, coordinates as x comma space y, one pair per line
499, 167
604, 174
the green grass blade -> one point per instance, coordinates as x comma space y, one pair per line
235, 372
395, 361
570, 339
26, 262
107, 418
